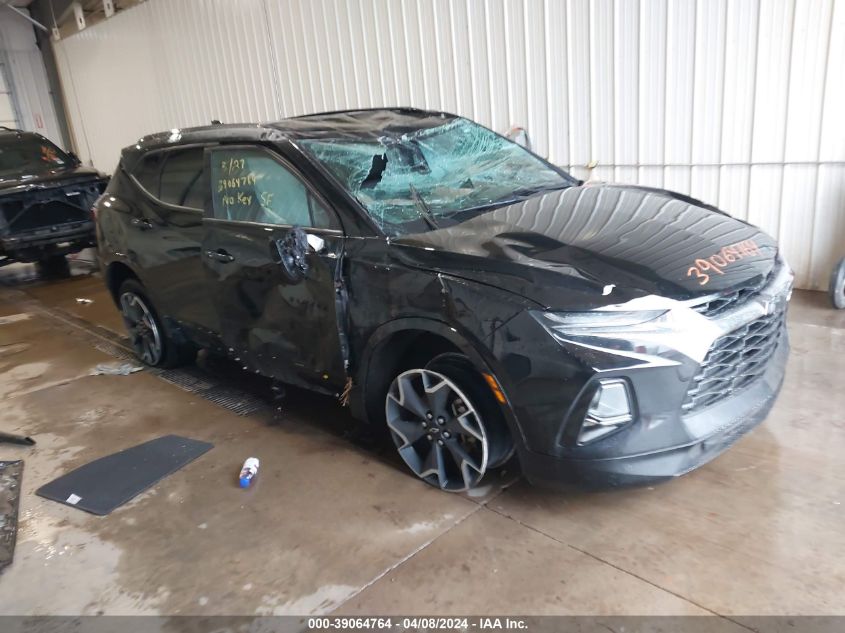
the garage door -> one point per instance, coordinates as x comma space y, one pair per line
8, 117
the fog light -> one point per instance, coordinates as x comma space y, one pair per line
609, 409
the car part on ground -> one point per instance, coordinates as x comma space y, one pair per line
46, 198
107, 483
21, 440
11, 476
115, 369
622, 334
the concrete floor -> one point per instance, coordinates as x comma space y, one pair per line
334, 526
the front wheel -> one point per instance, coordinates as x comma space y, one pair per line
152, 342
446, 424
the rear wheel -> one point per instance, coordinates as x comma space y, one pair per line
445, 423
151, 340
837, 285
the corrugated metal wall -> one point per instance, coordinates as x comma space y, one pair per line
738, 102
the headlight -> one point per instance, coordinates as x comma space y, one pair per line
609, 410
559, 322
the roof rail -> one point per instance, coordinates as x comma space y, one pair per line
377, 109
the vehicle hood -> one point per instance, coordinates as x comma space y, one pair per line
22, 181
598, 244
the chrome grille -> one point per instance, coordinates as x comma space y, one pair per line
735, 361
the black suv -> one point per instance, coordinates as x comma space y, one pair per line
45, 201
454, 286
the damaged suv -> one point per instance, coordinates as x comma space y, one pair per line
454, 286
46, 197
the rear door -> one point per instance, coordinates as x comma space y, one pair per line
283, 327
168, 232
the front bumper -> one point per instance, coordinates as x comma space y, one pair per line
549, 392
718, 426
31, 245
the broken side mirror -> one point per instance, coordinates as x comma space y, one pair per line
292, 250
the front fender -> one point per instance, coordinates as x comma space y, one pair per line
466, 321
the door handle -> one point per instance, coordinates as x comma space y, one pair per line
220, 255
142, 223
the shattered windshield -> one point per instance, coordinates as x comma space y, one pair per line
436, 176
30, 155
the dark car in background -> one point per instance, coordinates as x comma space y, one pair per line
46, 197
454, 286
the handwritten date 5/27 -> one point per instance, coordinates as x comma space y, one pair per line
717, 262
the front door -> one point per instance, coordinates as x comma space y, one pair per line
276, 313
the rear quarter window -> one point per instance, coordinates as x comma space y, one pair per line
147, 172
181, 178
173, 177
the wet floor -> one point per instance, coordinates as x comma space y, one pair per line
334, 524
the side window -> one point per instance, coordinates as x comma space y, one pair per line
195, 196
147, 172
320, 216
181, 178
249, 185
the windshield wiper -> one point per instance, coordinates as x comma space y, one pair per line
515, 197
528, 192
423, 208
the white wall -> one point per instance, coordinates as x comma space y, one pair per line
8, 110
738, 102
25, 77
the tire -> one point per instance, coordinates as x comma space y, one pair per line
446, 424
837, 285
53, 267
151, 339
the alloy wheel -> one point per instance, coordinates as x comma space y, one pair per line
438, 432
142, 327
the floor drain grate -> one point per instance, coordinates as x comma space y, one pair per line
194, 380
115, 350
185, 379
191, 379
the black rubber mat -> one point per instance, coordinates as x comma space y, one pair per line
107, 483
11, 474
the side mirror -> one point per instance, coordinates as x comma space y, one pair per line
292, 249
